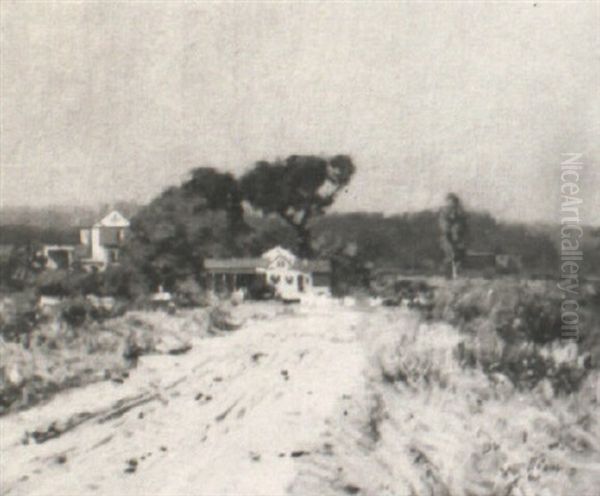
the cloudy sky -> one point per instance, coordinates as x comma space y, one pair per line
105, 101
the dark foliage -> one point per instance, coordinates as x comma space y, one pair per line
75, 312
173, 234
297, 189
410, 241
214, 190
21, 235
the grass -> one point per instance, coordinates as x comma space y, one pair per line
514, 328
455, 428
58, 355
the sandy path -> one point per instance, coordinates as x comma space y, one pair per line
238, 414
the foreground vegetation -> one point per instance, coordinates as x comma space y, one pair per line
507, 327
515, 328
446, 427
57, 355
482, 395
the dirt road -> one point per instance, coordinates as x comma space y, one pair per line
238, 414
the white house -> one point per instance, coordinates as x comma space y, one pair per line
104, 240
292, 278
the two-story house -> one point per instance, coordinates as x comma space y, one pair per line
103, 241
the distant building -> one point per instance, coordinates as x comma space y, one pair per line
290, 277
58, 256
104, 240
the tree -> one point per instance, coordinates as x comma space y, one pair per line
297, 189
160, 245
214, 190
172, 235
22, 266
453, 226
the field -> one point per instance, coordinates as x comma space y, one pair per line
327, 399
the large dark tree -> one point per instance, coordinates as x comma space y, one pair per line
210, 189
174, 233
453, 226
297, 189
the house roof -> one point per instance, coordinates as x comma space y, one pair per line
113, 219
279, 252
251, 265
233, 264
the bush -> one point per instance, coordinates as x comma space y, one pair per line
122, 282
75, 312
519, 311
18, 317
117, 281
512, 325
62, 356
188, 293
462, 430
78, 311
420, 354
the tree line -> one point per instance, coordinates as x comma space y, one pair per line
284, 202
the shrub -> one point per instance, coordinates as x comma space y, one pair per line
117, 281
188, 293
62, 356
122, 282
18, 317
511, 325
471, 432
75, 312
420, 354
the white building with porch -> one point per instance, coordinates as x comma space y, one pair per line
290, 277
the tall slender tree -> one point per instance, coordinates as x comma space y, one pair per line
454, 229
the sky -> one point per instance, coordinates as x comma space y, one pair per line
109, 101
